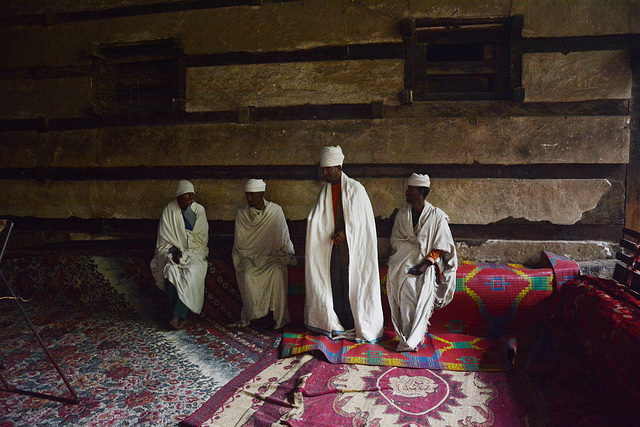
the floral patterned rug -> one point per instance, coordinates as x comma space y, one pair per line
99, 318
125, 371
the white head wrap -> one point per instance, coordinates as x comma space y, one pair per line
255, 186
417, 180
331, 156
184, 187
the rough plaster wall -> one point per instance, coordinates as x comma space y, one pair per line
384, 142
466, 201
576, 76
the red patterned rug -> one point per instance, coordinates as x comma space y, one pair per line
306, 391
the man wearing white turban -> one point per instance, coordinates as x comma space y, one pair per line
262, 249
179, 266
422, 267
342, 286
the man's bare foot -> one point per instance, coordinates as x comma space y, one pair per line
175, 323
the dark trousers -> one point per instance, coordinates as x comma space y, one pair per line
340, 289
176, 307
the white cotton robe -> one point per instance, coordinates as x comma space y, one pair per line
412, 299
188, 276
262, 249
364, 276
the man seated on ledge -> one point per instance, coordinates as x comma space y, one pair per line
262, 249
341, 271
422, 267
179, 266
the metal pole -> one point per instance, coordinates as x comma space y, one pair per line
44, 347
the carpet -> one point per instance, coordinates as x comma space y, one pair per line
305, 391
597, 317
441, 350
125, 370
99, 317
92, 283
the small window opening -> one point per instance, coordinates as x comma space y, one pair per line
143, 77
451, 60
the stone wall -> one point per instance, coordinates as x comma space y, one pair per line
106, 104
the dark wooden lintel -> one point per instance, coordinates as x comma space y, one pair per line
480, 108
49, 18
137, 236
502, 108
44, 72
614, 172
581, 43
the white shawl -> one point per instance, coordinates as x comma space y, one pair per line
413, 298
364, 276
188, 276
262, 249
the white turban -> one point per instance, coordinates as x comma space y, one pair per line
417, 180
331, 156
184, 187
255, 186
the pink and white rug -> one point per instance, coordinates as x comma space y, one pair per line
304, 390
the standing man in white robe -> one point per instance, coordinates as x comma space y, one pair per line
422, 267
179, 266
342, 283
262, 249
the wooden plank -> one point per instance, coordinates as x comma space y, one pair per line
627, 278
614, 173
631, 246
620, 274
503, 108
264, 85
376, 110
635, 281
137, 236
426, 141
576, 76
629, 232
521, 233
624, 258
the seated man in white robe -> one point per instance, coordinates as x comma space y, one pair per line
179, 266
422, 267
342, 279
262, 249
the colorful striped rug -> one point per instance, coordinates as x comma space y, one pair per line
442, 350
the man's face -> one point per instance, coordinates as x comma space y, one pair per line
332, 174
413, 194
185, 200
255, 200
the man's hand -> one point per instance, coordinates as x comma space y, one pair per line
339, 237
177, 255
420, 268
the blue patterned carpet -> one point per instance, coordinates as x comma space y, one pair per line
104, 333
